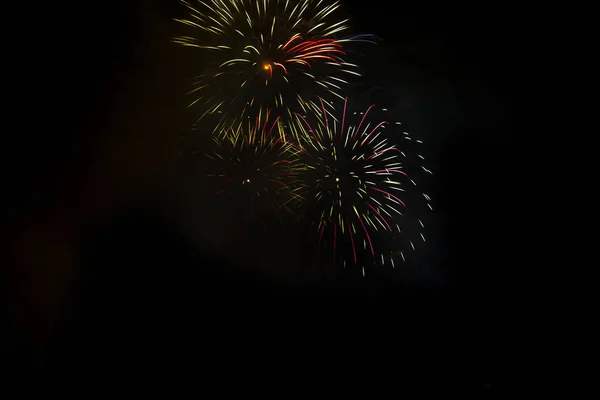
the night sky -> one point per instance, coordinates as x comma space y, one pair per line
120, 261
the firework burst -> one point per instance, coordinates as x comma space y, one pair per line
266, 54
258, 168
363, 200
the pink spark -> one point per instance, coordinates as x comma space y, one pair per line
299, 148
389, 194
361, 121
266, 120
309, 127
386, 224
281, 183
315, 43
382, 151
344, 116
324, 113
374, 129
280, 161
368, 237
273, 126
352, 239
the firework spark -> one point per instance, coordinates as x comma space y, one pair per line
364, 201
266, 54
259, 167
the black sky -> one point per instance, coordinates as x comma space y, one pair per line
117, 258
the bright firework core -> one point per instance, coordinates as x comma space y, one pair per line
267, 67
240, 41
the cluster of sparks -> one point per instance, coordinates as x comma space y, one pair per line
361, 187
266, 55
265, 58
258, 165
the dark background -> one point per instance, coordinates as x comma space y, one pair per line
117, 259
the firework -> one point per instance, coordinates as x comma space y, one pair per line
363, 201
257, 167
266, 54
